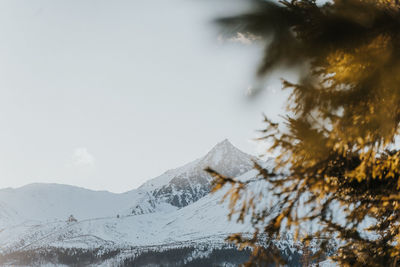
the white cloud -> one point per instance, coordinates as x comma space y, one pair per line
82, 157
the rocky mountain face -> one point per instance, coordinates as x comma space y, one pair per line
187, 184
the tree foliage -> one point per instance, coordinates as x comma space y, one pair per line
338, 163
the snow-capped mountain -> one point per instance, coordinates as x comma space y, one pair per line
172, 190
200, 227
203, 218
46, 202
172, 212
180, 187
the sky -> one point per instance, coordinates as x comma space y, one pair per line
108, 94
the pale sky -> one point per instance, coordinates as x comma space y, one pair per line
108, 94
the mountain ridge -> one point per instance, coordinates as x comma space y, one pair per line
172, 190
173, 208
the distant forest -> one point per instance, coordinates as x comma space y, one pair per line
168, 257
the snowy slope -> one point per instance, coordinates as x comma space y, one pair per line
202, 226
173, 190
43, 202
170, 210
206, 218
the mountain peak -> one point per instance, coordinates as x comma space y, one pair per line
182, 186
223, 143
225, 157
222, 148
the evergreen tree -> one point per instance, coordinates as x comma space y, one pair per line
337, 153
